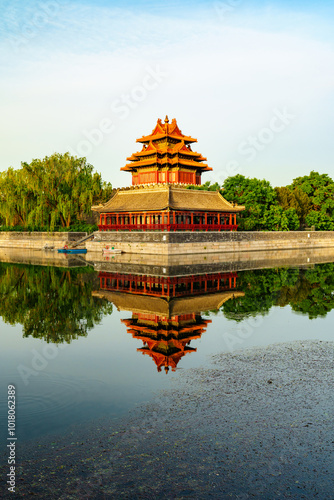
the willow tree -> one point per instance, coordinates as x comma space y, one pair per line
55, 191
65, 188
16, 198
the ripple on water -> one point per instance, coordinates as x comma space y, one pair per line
51, 402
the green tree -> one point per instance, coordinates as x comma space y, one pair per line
294, 198
320, 190
16, 197
207, 186
56, 191
261, 207
256, 195
278, 219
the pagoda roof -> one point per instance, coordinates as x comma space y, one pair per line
161, 307
165, 161
166, 145
163, 196
166, 129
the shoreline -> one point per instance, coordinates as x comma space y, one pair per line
253, 424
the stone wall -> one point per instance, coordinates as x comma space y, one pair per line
186, 264
175, 243
37, 240
37, 258
157, 243
173, 265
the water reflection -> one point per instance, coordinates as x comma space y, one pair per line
175, 321
166, 310
52, 303
60, 304
308, 291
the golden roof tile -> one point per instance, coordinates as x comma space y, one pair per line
162, 196
159, 306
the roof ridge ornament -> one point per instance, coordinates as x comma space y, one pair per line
166, 119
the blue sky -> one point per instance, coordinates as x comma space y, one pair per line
253, 81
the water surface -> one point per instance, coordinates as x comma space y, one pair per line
80, 344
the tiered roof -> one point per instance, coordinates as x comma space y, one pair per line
164, 196
142, 304
167, 147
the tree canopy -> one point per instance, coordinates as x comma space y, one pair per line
262, 211
57, 191
320, 190
308, 201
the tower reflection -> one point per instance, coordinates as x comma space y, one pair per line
166, 310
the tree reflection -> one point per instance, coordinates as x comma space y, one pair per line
55, 304
308, 291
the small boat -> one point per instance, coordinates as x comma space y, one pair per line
108, 250
72, 250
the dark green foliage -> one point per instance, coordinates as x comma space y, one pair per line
278, 219
309, 200
51, 303
320, 190
75, 228
57, 191
308, 291
262, 211
207, 186
294, 198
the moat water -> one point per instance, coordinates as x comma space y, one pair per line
81, 345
